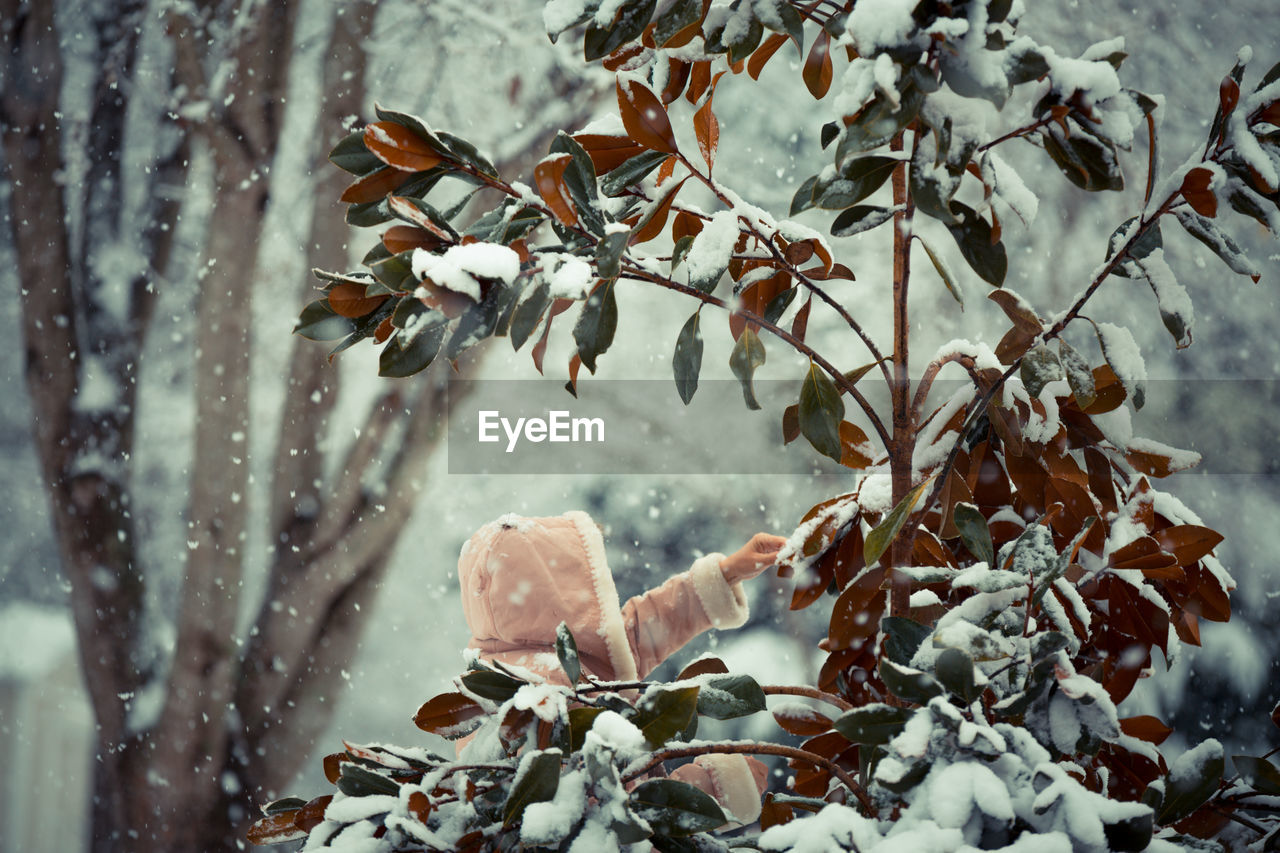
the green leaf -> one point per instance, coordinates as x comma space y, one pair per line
788, 21
778, 305
567, 652
357, 781
368, 214
627, 827
678, 17
803, 199
1047, 643
746, 41
748, 354
420, 183
580, 179
1258, 772
858, 372
909, 780
1218, 242
396, 272
408, 353
707, 275
628, 23
1130, 834
932, 188
880, 121
494, 686
378, 252
877, 541
596, 324
609, 252
1045, 576
974, 533
854, 181
479, 322
821, 410
973, 235
676, 808
528, 314
463, 150
728, 696
957, 74
1192, 779
1119, 349
1039, 367
589, 8
508, 297
1150, 240
1246, 201
954, 669
580, 722
903, 637
830, 131
872, 725
686, 362
364, 327
665, 712
434, 216
943, 272
287, 804
1026, 66
1088, 162
631, 171
537, 782
681, 248
319, 322
1270, 77
862, 217
1079, 374
909, 684
351, 155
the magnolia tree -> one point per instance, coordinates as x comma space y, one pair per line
1002, 569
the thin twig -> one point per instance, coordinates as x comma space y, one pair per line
808, 693
930, 373
1014, 134
752, 748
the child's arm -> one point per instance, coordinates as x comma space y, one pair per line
708, 595
753, 558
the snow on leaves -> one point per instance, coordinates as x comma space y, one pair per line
1035, 567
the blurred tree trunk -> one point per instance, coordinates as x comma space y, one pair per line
239, 714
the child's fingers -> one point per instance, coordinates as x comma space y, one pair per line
766, 544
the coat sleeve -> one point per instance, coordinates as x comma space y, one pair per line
662, 620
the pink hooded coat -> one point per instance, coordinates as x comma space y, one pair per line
521, 577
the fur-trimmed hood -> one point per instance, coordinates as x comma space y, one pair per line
521, 577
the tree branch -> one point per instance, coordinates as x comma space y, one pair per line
930, 374
808, 692
752, 748
191, 732
902, 449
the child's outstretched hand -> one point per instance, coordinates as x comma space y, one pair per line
753, 558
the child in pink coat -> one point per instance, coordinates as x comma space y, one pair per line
521, 577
